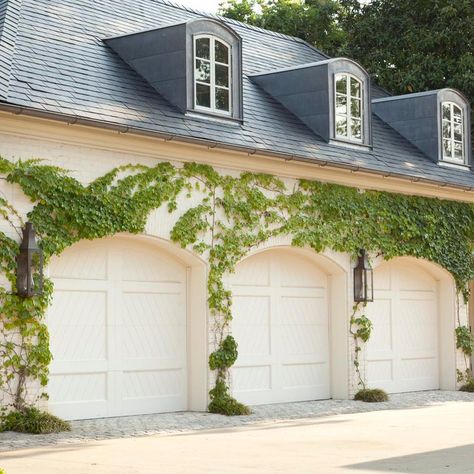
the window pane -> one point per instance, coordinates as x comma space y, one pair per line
222, 75
458, 132
446, 129
447, 148
341, 85
355, 129
458, 150
355, 87
341, 126
341, 104
457, 114
203, 95
222, 99
203, 48
355, 108
222, 53
203, 71
446, 112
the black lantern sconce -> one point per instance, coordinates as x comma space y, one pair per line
363, 279
29, 272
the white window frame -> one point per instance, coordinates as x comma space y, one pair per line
212, 84
348, 95
452, 159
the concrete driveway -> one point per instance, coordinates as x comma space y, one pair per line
434, 439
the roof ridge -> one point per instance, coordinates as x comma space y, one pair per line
8, 32
240, 23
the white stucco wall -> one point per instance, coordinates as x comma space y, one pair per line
89, 154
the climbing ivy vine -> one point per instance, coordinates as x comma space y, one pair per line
360, 328
224, 218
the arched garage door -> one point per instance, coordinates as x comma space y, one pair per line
118, 330
403, 352
280, 321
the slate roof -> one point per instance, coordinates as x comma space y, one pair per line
53, 60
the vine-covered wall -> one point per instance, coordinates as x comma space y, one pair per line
224, 217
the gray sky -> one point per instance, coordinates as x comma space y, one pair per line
204, 5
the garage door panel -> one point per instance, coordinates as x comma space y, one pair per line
120, 349
418, 320
84, 394
381, 338
90, 264
380, 372
81, 319
254, 271
308, 309
416, 279
143, 266
153, 383
253, 330
281, 327
82, 410
301, 380
153, 326
304, 340
300, 273
418, 367
253, 378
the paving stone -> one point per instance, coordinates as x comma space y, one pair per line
169, 423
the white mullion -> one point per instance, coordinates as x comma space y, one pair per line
451, 108
195, 38
348, 110
229, 80
212, 52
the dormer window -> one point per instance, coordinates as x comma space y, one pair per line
212, 74
349, 106
331, 97
196, 66
452, 132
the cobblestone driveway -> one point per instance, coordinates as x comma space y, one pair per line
146, 425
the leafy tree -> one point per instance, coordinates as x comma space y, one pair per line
415, 45
406, 45
314, 21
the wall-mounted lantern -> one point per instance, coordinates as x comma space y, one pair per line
363, 279
29, 272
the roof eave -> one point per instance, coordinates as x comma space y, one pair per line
104, 125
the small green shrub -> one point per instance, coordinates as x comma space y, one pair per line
33, 421
468, 387
2, 471
371, 395
223, 404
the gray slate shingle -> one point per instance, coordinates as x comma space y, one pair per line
52, 58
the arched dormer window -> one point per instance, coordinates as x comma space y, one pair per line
214, 69
212, 74
452, 126
349, 114
332, 97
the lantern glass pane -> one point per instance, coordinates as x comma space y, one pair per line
36, 273
370, 285
357, 284
22, 274
364, 285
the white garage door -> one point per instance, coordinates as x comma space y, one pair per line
280, 322
402, 353
118, 330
